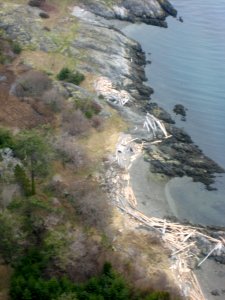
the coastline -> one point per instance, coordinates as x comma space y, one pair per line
128, 191
149, 188
126, 76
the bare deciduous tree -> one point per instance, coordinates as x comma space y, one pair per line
75, 123
54, 99
92, 204
31, 84
72, 153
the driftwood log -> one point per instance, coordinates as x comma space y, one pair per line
181, 239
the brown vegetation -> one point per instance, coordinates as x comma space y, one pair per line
36, 3
31, 84
91, 204
74, 122
5, 274
53, 99
71, 153
97, 122
19, 114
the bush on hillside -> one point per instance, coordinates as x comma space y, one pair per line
36, 3
71, 153
74, 122
67, 75
91, 204
53, 99
97, 122
6, 139
11, 238
32, 84
16, 48
23, 180
88, 107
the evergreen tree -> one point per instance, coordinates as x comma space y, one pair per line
35, 153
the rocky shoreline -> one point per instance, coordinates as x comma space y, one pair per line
152, 12
176, 156
116, 64
105, 52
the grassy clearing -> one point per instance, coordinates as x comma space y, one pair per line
100, 144
51, 63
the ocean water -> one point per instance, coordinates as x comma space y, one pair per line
188, 67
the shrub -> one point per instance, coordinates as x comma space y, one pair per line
53, 99
11, 238
23, 180
44, 15
76, 78
32, 84
97, 122
88, 107
6, 139
16, 48
63, 74
71, 153
67, 75
67, 296
92, 205
75, 123
36, 3
2, 58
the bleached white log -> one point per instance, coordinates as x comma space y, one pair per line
151, 123
218, 246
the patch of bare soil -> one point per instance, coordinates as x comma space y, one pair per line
17, 113
5, 274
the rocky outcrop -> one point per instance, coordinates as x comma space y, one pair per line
177, 156
166, 5
22, 23
99, 48
111, 54
152, 12
179, 109
159, 112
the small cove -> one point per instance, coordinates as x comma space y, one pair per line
188, 67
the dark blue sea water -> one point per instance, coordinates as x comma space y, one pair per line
188, 67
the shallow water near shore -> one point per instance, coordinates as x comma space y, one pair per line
188, 67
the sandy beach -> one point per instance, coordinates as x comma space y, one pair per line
150, 192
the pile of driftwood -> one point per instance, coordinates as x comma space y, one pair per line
104, 87
154, 125
180, 239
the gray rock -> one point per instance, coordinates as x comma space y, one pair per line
44, 15
159, 112
179, 109
151, 12
3, 78
178, 156
215, 292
